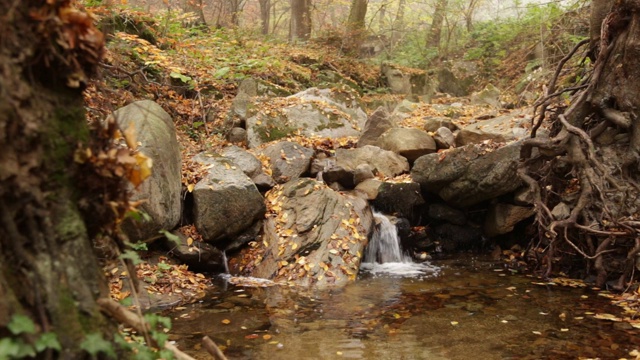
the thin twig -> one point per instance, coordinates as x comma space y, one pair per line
125, 316
213, 349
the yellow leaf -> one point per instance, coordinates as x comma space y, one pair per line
189, 240
226, 321
294, 246
454, 323
130, 137
266, 336
190, 187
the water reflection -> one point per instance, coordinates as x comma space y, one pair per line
469, 311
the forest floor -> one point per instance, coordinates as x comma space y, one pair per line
194, 76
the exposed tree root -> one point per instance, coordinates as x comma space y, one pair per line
596, 182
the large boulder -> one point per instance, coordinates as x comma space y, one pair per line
490, 95
226, 201
349, 165
313, 236
156, 135
408, 142
287, 160
335, 112
398, 198
386, 163
469, 175
448, 83
408, 82
379, 122
514, 126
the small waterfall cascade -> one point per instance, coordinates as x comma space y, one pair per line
225, 261
384, 255
384, 246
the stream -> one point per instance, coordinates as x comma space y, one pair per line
462, 307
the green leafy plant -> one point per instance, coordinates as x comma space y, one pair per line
25, 341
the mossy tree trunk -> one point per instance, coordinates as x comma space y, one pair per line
48, 269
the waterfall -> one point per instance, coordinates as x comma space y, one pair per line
384, 255
384, 246
225, 261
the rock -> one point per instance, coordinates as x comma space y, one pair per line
514, 126
226, 201
432, 124
490, 95
249, 86
415, 83
385, 163
288, 160
250, 165
379, 122
448, 83
457, 238
199, 256
523, 197
237, 135
241, 104
400, 199
340, 175
319, 164
398, 82
314, 237
444, 138
469, 175
446, 213
247, 162
369, 188
502, 218
335, 112
561, 211
410, 143
405, 107
156, 134
362, 173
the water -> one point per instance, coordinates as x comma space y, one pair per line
384, 254
473, 309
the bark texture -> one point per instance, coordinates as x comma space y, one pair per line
435, 31
48, 269
300, 26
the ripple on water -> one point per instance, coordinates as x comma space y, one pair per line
401, 269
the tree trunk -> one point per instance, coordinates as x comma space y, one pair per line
435, 31
598, 181
355, 27
196, 7
265, 16
398, 23
300, 26
48, 270
357, 14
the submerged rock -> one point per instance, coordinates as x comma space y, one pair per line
313, 236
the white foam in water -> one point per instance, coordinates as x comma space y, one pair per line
384, 254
